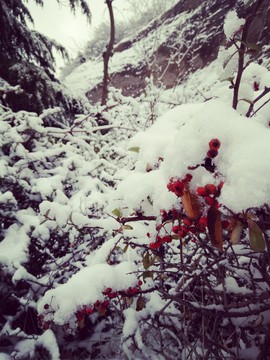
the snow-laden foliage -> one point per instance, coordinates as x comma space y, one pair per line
149, 247
27, 58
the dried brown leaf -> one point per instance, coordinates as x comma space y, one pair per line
214, 226
191, 204
236, 232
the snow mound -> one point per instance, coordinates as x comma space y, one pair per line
86, 288
180, 139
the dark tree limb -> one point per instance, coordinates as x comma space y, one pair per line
107, 54
251, 107
242, 51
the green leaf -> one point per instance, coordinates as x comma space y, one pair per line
253, 47
226, 62
256, 237
127, 227
146, 261
117, 213
125, 248
134, 149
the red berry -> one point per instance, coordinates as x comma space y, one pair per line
45, 326
105, 304
107, 291
174, 213
210, 189
46, 306
163, 213
166, 239
135, 291
203, 221
181, 233
112, 295
201, 191
214, 144
188, 178
129, 290
176, 229
187, 222
225, 224
209, 200
176, 186
89, 311
140, 283
154, 245
212, 153
79, 316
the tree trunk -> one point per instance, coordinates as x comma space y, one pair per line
107, 54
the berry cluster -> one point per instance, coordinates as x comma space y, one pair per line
214, 146
159, 241
41, 323
189, 226
101, 306
210, 192
177, 186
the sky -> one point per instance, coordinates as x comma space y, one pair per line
73, 31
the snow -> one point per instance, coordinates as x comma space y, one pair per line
232, 24
243, 160
4, 356
86, 287
16, 239
89, 74
47, 340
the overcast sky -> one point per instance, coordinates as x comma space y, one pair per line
57, 22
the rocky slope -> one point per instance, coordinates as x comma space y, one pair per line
184, 39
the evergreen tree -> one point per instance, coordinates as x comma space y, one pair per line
27, 59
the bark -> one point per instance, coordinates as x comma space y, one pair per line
107, 54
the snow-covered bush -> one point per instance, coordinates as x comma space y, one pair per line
195, 257
162, 253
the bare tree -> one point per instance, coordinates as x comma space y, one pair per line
107, 54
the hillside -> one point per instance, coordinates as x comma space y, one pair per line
174, 46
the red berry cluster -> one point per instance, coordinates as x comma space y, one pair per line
41, 323
159, 241
132, 291
168, 215
177, 186
210, 192
102, 306
214, 146
189, 226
